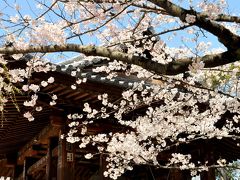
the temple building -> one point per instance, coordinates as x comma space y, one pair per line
35, 150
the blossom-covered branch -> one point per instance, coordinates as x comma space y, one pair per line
224, 35
172, 68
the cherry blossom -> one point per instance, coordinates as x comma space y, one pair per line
179, 59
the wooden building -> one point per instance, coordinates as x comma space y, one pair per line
35, 150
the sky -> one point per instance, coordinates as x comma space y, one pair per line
29, 7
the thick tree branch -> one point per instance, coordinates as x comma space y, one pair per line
227, 18
225, 36
171, 68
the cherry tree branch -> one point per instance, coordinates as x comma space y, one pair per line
220, 17
225, 36
227, 18
154, 35
172, 68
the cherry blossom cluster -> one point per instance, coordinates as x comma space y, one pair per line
156, 112
179, 113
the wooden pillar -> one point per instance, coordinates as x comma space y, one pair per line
26, 165
49, 166
65, 161
208, 175
14, 172
25, 168
62, 158
208, 155
18, 169
102, 167
58, 121
65, 167
177, 174
11, 163
71, 159
49, 160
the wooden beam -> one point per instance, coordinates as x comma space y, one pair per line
40, 164
28, 162
10, 172
48, 131
39, 147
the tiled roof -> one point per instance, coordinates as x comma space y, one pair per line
83, 67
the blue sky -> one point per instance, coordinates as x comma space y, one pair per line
29, 7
